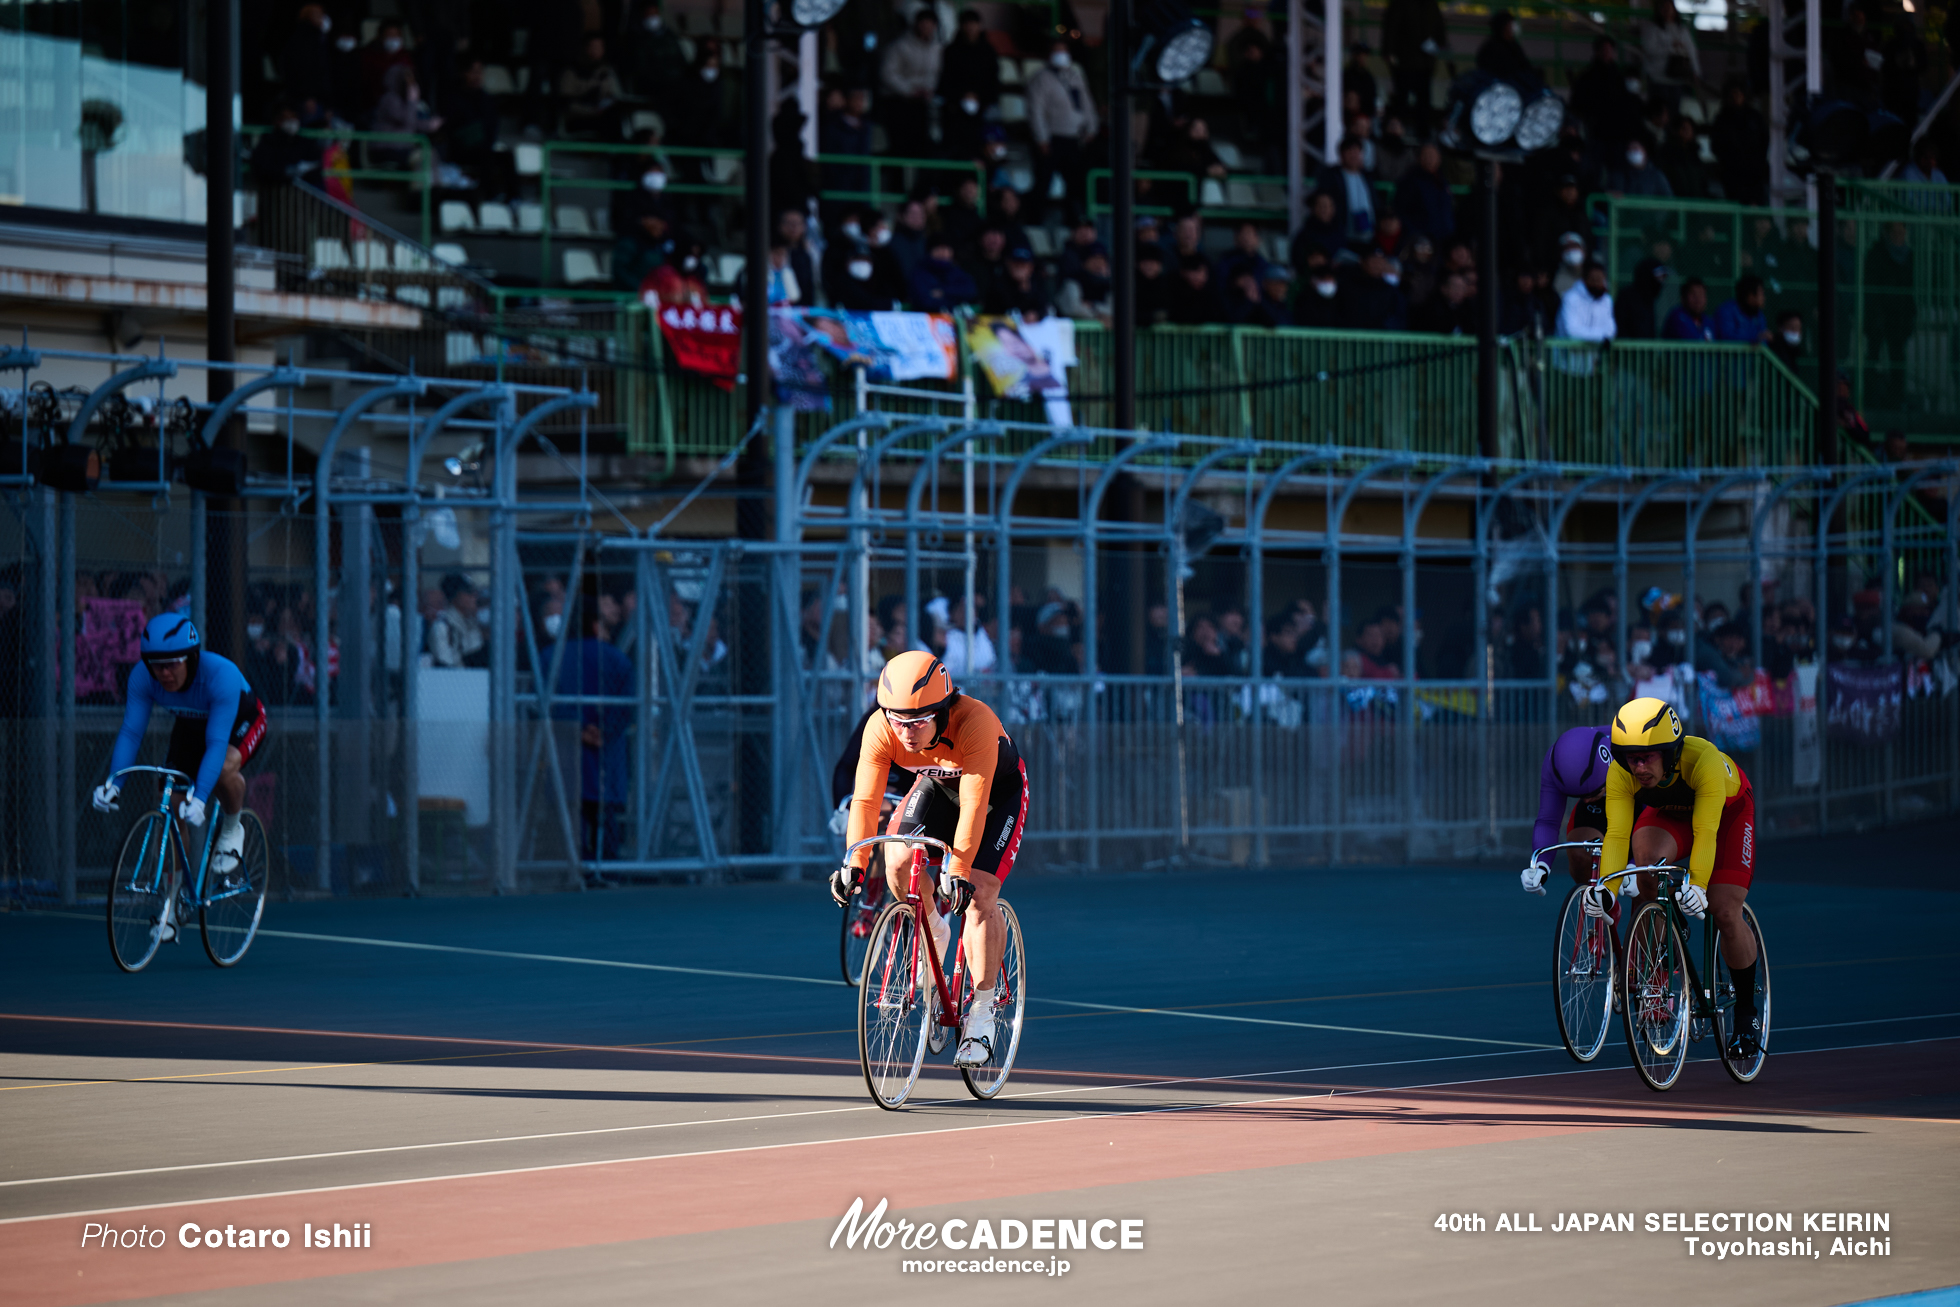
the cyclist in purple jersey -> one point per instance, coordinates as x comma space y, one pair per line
1575, 768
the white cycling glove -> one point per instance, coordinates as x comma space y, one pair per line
1598, 902
842, 882
1693, 899
105, 796
191, 810
840, 816
1533, 877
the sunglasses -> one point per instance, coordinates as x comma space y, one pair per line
178, 661
903, 723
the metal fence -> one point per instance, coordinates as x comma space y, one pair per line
1211, 652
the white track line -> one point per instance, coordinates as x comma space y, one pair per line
1297, 1025
859, 1139
732, 1120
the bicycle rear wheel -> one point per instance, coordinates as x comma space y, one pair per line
1742, 1070
233, 902
147, 870
1010, 1009
892, 1008
1582, 977
1657, 1002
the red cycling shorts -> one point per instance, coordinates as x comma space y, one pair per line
1735, 838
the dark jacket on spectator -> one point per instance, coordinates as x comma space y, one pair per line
941, 287
1611, 113
1371, 304
969, 68
306, 69
1740, 139
1427, 207
278, 158
1634, 314
1683, 325
1155, 296
1507, 60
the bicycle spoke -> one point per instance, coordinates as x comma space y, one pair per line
892, 1008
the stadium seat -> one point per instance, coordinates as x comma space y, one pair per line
496, 217
410, 259
728, 269
530, 218
572, 220
1010, 71
528, 158
330, 255
1228, 154
1013, 108
498, 81
582, 268
456, 216
452, 297
1210, 81
416, 295
646, 120
1210, 194
450, 253
1241, 195
459, 347
371, 256
1029, 67
1041, 243
602, 221
721, 169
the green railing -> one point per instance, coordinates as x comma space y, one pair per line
420, 175
1898, 320
548, 182
881, 165
1661, 404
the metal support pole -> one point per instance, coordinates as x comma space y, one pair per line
66, 629
1296, 114
1123, 227
200, 557
45, 846
412, 695
1487, 296
1332, 42
755, 84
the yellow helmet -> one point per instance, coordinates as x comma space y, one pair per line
1649, 724
915, 682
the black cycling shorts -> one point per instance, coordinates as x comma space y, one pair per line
1588, 813
187, 736
932, 807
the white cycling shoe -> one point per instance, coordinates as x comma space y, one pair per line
165, 931
977, 1040
230, 852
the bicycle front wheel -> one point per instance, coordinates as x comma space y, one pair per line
1582, 977
854, 936
1657, 1001
147, 871
1742, 1069
892, 1007
1010, 1010
234, 900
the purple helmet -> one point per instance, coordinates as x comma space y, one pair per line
1579, 758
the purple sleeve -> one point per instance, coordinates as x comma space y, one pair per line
1551, 809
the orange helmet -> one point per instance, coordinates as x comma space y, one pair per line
915, 682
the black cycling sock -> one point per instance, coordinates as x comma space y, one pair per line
1745, 988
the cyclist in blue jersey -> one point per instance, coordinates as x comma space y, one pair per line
220, 725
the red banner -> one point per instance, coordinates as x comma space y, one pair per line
707, 341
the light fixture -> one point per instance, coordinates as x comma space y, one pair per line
1539, 125
467, 459
1495, 112
814, 13
1174, 45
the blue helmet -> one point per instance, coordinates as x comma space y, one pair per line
1579, 760
169, 637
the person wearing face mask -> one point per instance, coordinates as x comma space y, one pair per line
850, 269
969, 86
642, 220
1635, 176
910, 73
1370, 300
1085, 288
387, 51
656, 62
456, 637
1318, 303
683, 279
590, 92
283, 154
1786, 341
1062, 118
1570, 267
306, 61
1155, 293
1586, 311
939, 285
1561, 214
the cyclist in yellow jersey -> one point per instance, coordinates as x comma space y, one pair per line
970, 790
1698, 804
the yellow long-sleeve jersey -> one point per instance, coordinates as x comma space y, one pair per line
1702, 786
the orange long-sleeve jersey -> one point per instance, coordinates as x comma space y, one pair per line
968, 752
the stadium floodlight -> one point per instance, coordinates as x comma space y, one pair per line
1175, 45
814, 13
1539, 125
1495, 112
